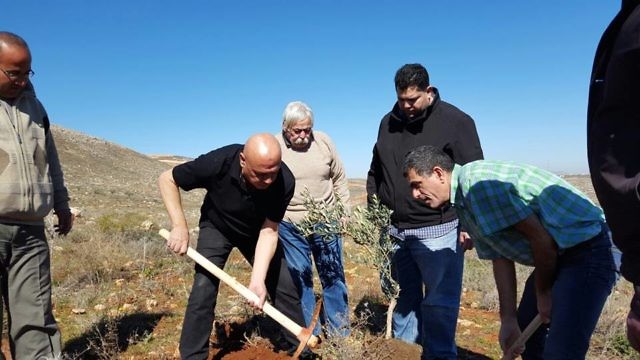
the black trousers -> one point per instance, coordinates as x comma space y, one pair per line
199, 315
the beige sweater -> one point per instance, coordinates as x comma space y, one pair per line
318, 169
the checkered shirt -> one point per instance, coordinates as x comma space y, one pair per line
491, 196
426, 232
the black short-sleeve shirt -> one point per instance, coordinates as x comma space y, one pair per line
234, 208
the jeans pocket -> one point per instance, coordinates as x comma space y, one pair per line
602, 266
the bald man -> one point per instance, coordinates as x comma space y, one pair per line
31, 185
248, 190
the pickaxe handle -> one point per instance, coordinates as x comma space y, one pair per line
303, 334
524, 336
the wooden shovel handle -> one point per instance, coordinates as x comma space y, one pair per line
268, 309
524, 336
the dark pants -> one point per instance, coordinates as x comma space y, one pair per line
584, 279
198, 319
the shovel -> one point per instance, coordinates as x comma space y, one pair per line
305, 335
524, 336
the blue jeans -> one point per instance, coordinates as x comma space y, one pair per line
584, 279
327, 254
428, 317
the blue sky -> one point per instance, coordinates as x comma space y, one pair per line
186, 77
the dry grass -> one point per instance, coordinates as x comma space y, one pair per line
121, 270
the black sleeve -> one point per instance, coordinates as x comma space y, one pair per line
199, 172
467, 147
373, 176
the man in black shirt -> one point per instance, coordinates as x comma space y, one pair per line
248, 190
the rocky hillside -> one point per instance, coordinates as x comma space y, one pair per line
104, 177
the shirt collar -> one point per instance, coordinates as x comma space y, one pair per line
235, 172
455, 173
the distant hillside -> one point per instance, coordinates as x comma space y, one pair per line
106, 177
171, 160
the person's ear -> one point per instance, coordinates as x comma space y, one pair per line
431, 94
439, 173
242, 160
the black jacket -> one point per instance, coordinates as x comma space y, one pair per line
613, 132
442, 125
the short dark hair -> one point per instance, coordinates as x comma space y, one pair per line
424, 158
412, 75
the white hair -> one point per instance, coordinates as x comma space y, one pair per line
294, 112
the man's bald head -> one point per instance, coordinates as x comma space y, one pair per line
11, 39
260, 160
15, 62
263, 148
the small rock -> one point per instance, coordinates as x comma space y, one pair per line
151, 303
127, 307
147, 225
78, 311
77, 212
99, 307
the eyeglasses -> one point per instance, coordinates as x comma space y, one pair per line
300, 131
14, 75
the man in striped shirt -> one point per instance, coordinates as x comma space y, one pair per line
520, 213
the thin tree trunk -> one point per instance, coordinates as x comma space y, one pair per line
392, 306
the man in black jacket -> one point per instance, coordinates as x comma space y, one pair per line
428, 240
613, 130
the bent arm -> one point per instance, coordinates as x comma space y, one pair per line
265, 248
504, 273
60, 193
179, 237
545, 255
373, 176
340, 183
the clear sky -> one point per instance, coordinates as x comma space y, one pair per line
185, 77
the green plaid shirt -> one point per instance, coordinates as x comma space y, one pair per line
491, 196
